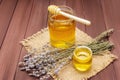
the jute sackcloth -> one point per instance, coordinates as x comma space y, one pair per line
68, 72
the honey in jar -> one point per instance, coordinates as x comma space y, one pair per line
61, 29
82, 58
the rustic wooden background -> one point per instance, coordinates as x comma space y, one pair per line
22, 18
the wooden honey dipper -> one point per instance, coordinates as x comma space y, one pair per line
56, 10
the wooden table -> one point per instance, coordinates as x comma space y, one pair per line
22, 18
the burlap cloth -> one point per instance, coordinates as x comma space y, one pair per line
38, 40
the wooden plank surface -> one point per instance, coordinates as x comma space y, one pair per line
6, 11
112, 20
58, 2
37, 21
10, 50
22, 18
0, 1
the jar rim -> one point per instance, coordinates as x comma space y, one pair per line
81, 47
63, 8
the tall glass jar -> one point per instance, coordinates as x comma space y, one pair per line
61, 29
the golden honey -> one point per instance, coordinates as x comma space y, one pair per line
82, 58
61, 30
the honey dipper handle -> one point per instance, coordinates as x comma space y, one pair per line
56, 10
83, 21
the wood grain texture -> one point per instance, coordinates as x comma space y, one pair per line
37, 21
58, 2
38, 18
11, 49
112, 20
93, 12
6, 11
0, 1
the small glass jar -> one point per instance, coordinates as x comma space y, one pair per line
61, 29
82, 58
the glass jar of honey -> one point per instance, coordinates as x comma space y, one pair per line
61, 29
82, 58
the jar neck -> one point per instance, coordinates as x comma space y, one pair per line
53, 17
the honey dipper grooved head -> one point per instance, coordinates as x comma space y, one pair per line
54, 9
